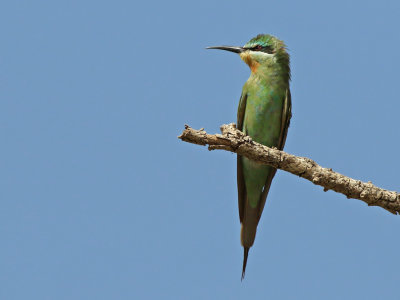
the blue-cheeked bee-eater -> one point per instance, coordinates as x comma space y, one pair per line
264, 114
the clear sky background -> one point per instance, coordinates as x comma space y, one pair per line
100, 200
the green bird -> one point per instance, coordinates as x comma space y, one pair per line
264, 114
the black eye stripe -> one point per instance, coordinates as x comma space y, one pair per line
266, 49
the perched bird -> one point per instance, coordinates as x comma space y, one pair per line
264, 114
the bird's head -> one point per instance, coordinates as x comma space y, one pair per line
264, 50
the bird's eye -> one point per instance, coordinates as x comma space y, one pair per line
258, 47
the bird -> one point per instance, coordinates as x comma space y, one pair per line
263, 114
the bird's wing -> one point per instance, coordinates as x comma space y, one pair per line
241, 110
286, 115
240, 178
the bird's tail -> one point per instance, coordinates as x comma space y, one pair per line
245, 255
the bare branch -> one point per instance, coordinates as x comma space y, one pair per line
234, 140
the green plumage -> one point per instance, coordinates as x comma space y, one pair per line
264, 114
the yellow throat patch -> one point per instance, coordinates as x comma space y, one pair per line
245, 56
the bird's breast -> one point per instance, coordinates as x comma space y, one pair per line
263, 115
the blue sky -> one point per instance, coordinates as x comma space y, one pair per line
100, 200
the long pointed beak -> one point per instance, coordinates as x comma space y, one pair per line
228, 48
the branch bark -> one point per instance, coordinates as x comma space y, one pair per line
234, 140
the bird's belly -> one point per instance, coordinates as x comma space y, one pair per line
263, 120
